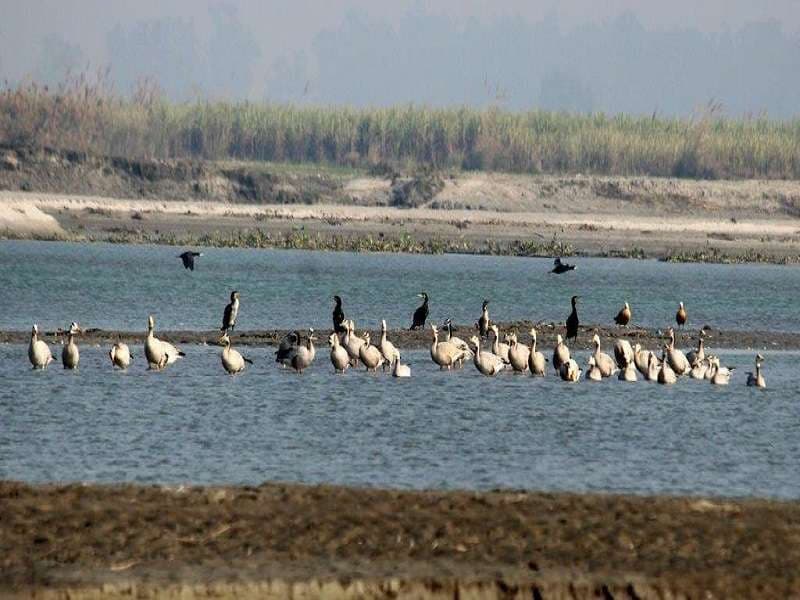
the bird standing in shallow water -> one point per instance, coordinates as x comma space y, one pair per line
572, 320
757, 380
421, 314
560, 267
39, 352
338, 316
188, 259
230, 314
624, 316
70, 356
681, 317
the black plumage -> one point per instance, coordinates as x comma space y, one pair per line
188, 259
561, 267
421, 314
483, 321
287, 348
572, 320
231, 312
338, 316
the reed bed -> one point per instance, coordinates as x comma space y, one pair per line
85, 114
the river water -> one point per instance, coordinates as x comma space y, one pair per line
194, 424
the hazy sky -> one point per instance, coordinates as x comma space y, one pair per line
284, 39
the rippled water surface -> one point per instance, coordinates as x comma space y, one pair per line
193, 423
116, 286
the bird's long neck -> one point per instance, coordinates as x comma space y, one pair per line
596, 345
383, 336
533, 344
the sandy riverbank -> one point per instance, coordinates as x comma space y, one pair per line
277, 541
65, 196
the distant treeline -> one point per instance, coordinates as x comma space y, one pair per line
85, 115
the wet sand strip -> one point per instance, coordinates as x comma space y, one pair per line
419, 339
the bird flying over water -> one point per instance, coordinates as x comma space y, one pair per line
561, 267
188, 259
421, 314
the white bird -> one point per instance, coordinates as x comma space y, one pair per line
445, 354
487, 363
370, 355
518, 354
628, 373
695, 356
602, 360
305, 353
623, 353
120, 355
594, 373
570, 371
666, 375
352, 343
699, 369
499, 348
641, 358
232, 361
38, 351
158, 352
560, 353
653, 367
536, 360
720, 375
676, 359
457, 341
400, 370
70, 356
387, 348
757, 380
339, 357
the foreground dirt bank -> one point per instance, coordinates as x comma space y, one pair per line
651, 339
279, 540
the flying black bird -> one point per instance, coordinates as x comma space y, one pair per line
231, 312
421, 314
559, 267
338, 316
483, 322
188, 259
572, 320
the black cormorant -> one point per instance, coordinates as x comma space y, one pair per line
559, 267
188, 259
483, 322
572, 320
338, 316
421, 314
231, 312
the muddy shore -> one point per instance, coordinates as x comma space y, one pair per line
403, 338
276, 540
48, 194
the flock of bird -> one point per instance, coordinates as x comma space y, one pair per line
490, 352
